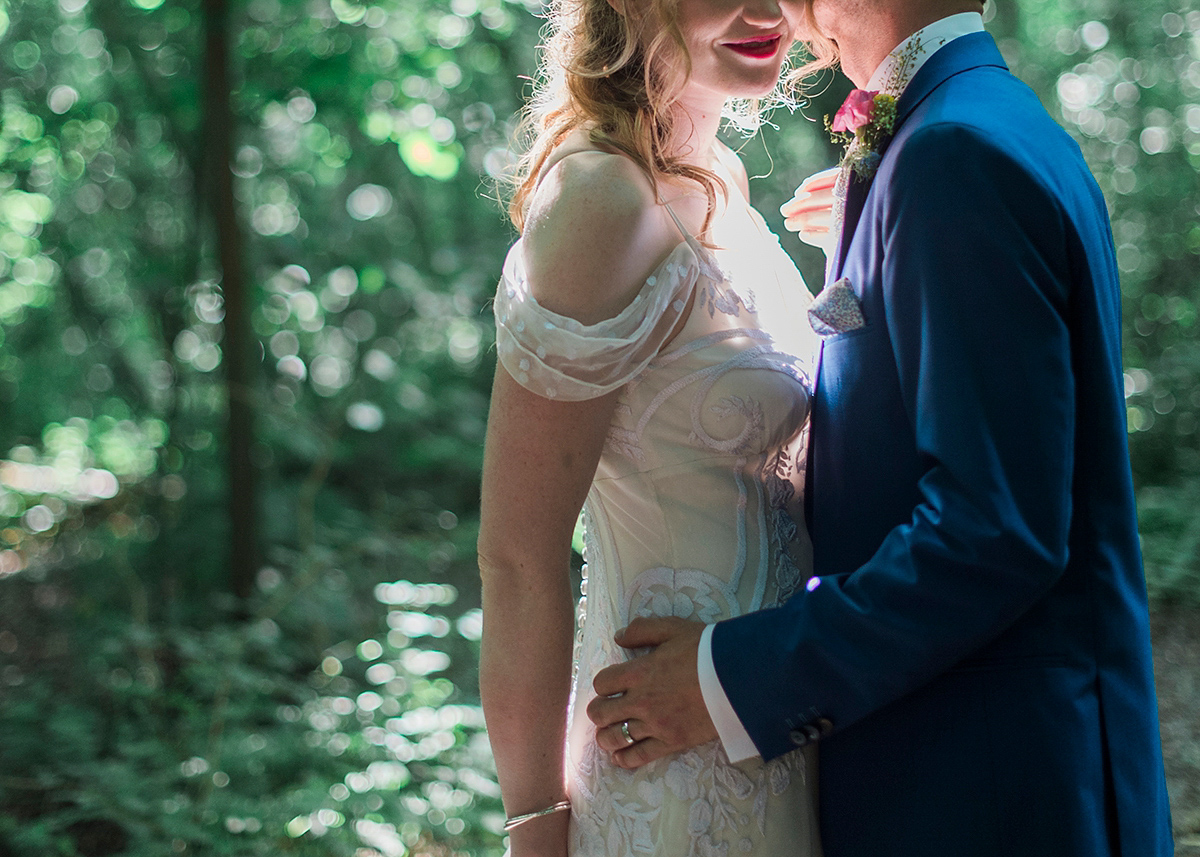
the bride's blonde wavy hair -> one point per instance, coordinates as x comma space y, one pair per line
616, 76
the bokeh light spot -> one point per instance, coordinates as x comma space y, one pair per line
62, 98
1094, 34
369, 650
368, 201
365, 416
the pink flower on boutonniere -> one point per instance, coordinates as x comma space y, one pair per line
863, 123
857, 111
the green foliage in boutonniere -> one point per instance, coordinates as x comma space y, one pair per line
862, 125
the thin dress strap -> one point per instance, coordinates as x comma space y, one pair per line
687, 236
708, 265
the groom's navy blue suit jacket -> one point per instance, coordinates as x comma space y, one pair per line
974, 656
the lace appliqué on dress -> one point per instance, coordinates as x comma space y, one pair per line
778, 473
726, 806
619, 813
729, 407
714, 299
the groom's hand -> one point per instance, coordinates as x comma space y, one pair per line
657, 696
809, 213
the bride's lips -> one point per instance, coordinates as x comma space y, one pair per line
756, 47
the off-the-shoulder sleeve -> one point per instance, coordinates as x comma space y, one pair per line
560, 358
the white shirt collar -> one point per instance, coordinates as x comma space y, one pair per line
901, 65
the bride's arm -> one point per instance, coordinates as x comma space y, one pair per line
593, 234
538, 464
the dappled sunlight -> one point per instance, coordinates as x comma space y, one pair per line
407, 722
334, 708
45, 491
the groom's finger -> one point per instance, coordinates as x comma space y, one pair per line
642, 753
612, 738
647, 632
610, 683
608, 713
622, 688
613, 703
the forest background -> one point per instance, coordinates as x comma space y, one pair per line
247, 249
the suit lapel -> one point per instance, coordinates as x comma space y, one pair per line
962, 54
856, 197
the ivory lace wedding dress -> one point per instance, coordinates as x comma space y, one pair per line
692, 513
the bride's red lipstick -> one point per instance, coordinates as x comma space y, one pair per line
757, 47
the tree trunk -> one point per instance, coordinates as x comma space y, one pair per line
218, 132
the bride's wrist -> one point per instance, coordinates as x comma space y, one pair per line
514, 821
545, 836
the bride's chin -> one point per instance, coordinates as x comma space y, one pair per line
760, 91
757, 89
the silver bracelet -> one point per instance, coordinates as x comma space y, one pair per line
518, 820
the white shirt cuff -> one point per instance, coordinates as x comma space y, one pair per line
733, 735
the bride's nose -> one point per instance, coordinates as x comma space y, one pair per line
763, 13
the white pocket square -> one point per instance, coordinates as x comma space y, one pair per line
836, 310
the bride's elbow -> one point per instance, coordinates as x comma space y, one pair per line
518, 570
501, 562
490, 567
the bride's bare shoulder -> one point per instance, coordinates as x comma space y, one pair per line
593, 233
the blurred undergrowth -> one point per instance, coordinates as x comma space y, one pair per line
145, 710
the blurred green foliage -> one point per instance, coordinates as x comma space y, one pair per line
147, 712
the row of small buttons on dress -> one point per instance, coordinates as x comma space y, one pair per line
810, 733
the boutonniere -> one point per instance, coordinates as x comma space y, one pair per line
862, 124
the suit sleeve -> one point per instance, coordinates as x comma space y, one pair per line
975, 290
